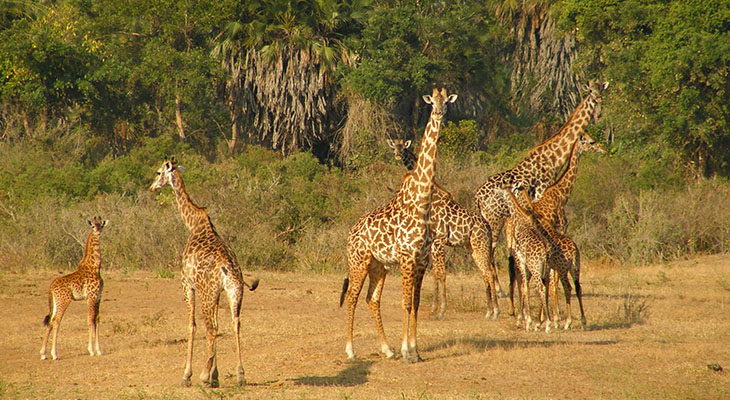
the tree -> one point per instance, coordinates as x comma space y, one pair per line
281, 57
541, 58
669, 62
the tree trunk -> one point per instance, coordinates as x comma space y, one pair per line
178, 116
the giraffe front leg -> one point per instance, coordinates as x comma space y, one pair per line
412, 343
407, 282
190, 301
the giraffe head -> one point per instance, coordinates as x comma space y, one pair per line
167, 174
438, 100
587, 144
97, 224
399, 147
595, 96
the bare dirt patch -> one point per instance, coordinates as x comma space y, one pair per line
653, 332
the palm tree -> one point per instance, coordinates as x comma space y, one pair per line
542, 75
280, 59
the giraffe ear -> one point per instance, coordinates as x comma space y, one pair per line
452, 98
605, 85
427, 98
89, 221
407, 144
390, 143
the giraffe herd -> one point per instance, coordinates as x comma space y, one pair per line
410, 232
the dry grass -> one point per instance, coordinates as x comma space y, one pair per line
652, 332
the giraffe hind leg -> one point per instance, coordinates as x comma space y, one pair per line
438, 271
234, 301
209, 309
94, 326
55, 323
358, 271
376, 283
190, 301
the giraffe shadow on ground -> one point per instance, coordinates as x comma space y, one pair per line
355, 374
467, 345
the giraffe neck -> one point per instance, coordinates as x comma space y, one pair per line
192, 215
421, 184
555, 151
564, 186
92, 254
409, 159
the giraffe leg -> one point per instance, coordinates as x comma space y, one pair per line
439, 277
567, 290
190, 301
209, 375
579, 292
525, 294
358, 271
512, 278
48, 324
377, 276
61, 306
480, 255
544, 291
412, 341
234, 300
555, 276
407, 267
93, 303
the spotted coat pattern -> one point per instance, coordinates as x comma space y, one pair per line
455, 226
563, 259
397, 234
209, 269
84, 283
551, 207
539, 169
530, 250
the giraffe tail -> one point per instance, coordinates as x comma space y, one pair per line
47, 319
253, 285
345, 285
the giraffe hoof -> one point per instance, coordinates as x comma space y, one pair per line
213, 383
43, 356
185, 382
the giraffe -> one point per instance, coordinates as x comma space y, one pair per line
209, 268
84, 283
550, 208
541, 165
397, 234
563, 258
454, 225
530, 249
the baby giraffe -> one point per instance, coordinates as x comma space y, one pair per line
84, 283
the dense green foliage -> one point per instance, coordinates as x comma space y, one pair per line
670, 61
279, 110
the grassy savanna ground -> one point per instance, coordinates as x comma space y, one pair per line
652, 331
